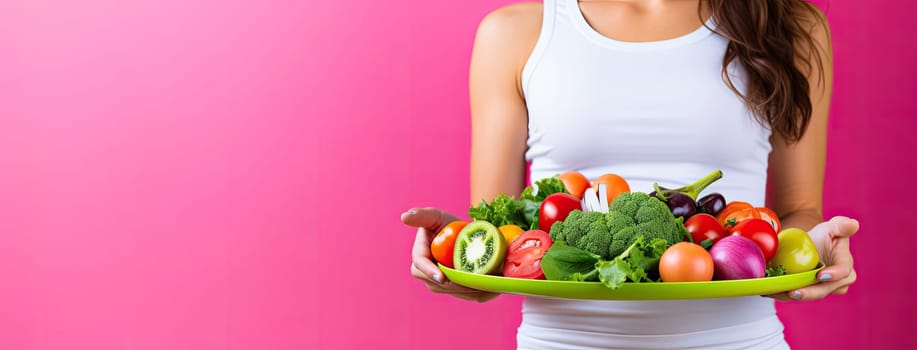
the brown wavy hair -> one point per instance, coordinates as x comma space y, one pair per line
772, 40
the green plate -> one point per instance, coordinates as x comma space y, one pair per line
633, 291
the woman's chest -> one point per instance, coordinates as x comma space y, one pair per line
651, 108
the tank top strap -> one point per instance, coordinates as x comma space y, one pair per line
548, 24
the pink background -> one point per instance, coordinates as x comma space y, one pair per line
228, 175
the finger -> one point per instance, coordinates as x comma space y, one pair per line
479, 297
424, 269
446, 286
429, 218
416, 273
449, 287
821, 290
842, 226
462, 292
487, 297
841, 262
779, 296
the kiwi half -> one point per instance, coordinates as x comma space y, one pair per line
479, 248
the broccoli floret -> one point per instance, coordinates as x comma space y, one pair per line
570, 229
636, 214
630, 216
557, 232
579, 226
584, 230
598, 237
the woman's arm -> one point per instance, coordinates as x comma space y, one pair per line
504, 40
797, 171
796, 178
499, 119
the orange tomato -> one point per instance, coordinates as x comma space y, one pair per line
736, 212
614, 185
731, 208
444, 242
686, 262
575, 182
510, 232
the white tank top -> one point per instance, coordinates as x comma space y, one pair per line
650, 112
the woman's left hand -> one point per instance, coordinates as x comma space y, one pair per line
832, 240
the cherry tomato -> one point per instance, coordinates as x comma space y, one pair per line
759, 231
523, 260
555, 208
686, 262
795, 251
704, 226
510, 232
443, 245
614, 185
575, 182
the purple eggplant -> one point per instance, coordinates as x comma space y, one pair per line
692, 190
711, 204
681, 205
681, 201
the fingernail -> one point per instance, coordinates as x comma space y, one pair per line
437, 278
824, 277
796, 295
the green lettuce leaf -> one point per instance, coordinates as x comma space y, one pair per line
775, 271
638, 263
503, 210
544, 187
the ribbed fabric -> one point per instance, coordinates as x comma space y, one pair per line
650, 112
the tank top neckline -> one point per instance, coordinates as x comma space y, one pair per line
579, 21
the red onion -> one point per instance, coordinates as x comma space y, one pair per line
737, 257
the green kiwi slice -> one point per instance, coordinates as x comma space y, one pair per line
479, 248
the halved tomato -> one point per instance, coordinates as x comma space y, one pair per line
523, 260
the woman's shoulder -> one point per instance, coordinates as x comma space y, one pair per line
518, 13
513, 22
511, 31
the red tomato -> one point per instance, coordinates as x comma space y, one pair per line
555, 208
614, 185
759, 231
444, 243
523, 259
686, 262
757, 213
575, 182
703, 227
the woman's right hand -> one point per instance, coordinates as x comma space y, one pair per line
428, 222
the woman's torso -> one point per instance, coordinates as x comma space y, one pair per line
651, 112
